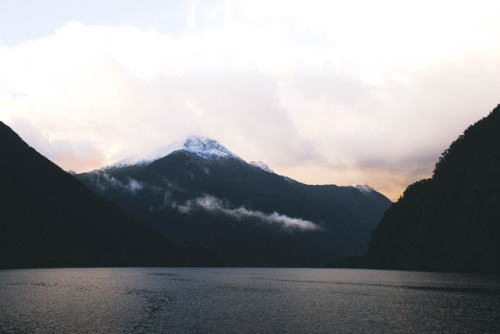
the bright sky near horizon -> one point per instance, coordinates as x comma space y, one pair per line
325, 92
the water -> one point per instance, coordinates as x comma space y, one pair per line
246, 300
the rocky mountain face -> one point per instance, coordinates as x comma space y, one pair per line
450, 222
49, 219
198, 192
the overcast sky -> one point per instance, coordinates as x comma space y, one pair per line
325, 92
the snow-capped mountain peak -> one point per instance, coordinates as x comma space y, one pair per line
204, 147
365, 189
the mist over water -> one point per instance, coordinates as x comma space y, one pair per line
246, 300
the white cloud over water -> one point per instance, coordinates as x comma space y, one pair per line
339, 92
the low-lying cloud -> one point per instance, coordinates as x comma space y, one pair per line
104, 181
215, 205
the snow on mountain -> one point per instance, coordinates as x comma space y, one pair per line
365, 189
261, 165
204, 147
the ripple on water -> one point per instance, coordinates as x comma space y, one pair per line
158, 300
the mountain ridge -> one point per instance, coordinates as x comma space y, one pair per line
214, 202
204, 147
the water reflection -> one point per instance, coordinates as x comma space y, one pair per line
158, 300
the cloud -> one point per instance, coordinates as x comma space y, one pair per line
104, 181
111, 83
217, 206
328, 92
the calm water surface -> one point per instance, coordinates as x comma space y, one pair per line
249, 300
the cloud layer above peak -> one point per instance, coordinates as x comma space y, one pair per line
357, 93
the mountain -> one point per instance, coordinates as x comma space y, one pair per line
198, 192
49, 219
450, 222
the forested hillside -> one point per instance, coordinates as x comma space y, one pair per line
450, 222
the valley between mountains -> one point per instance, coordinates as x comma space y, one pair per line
195, 203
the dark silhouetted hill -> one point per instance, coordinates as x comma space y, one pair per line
49, 219
450, 222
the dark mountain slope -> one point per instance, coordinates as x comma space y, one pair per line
450, 222
249, 216
49, 219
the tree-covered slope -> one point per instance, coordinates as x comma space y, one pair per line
450, 222
49, 219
